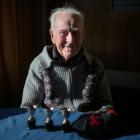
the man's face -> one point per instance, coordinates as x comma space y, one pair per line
67, 35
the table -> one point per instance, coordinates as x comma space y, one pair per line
13, 126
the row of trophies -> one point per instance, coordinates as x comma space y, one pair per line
65, 127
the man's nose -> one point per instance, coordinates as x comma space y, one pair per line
70, 38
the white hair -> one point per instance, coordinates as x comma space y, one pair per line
68, 10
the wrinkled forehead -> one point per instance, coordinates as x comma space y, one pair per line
67, 20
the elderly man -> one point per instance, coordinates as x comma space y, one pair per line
64, 74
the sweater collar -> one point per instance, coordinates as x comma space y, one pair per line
51, 54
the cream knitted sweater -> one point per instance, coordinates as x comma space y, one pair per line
69, 79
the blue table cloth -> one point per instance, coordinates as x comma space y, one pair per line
13, 126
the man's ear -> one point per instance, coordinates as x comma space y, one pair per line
52, 36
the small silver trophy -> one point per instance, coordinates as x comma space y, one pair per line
31, 119
48, 121
65, 123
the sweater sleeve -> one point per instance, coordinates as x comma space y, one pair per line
33, 91
102, 91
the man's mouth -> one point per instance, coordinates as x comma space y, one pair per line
68, 47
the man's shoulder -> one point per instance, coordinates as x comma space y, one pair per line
42, 58
35, 63
92, 59
97, 60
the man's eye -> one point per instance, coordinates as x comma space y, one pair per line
76, 33
62, 34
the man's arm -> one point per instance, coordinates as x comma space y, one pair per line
33, 92
103, 92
